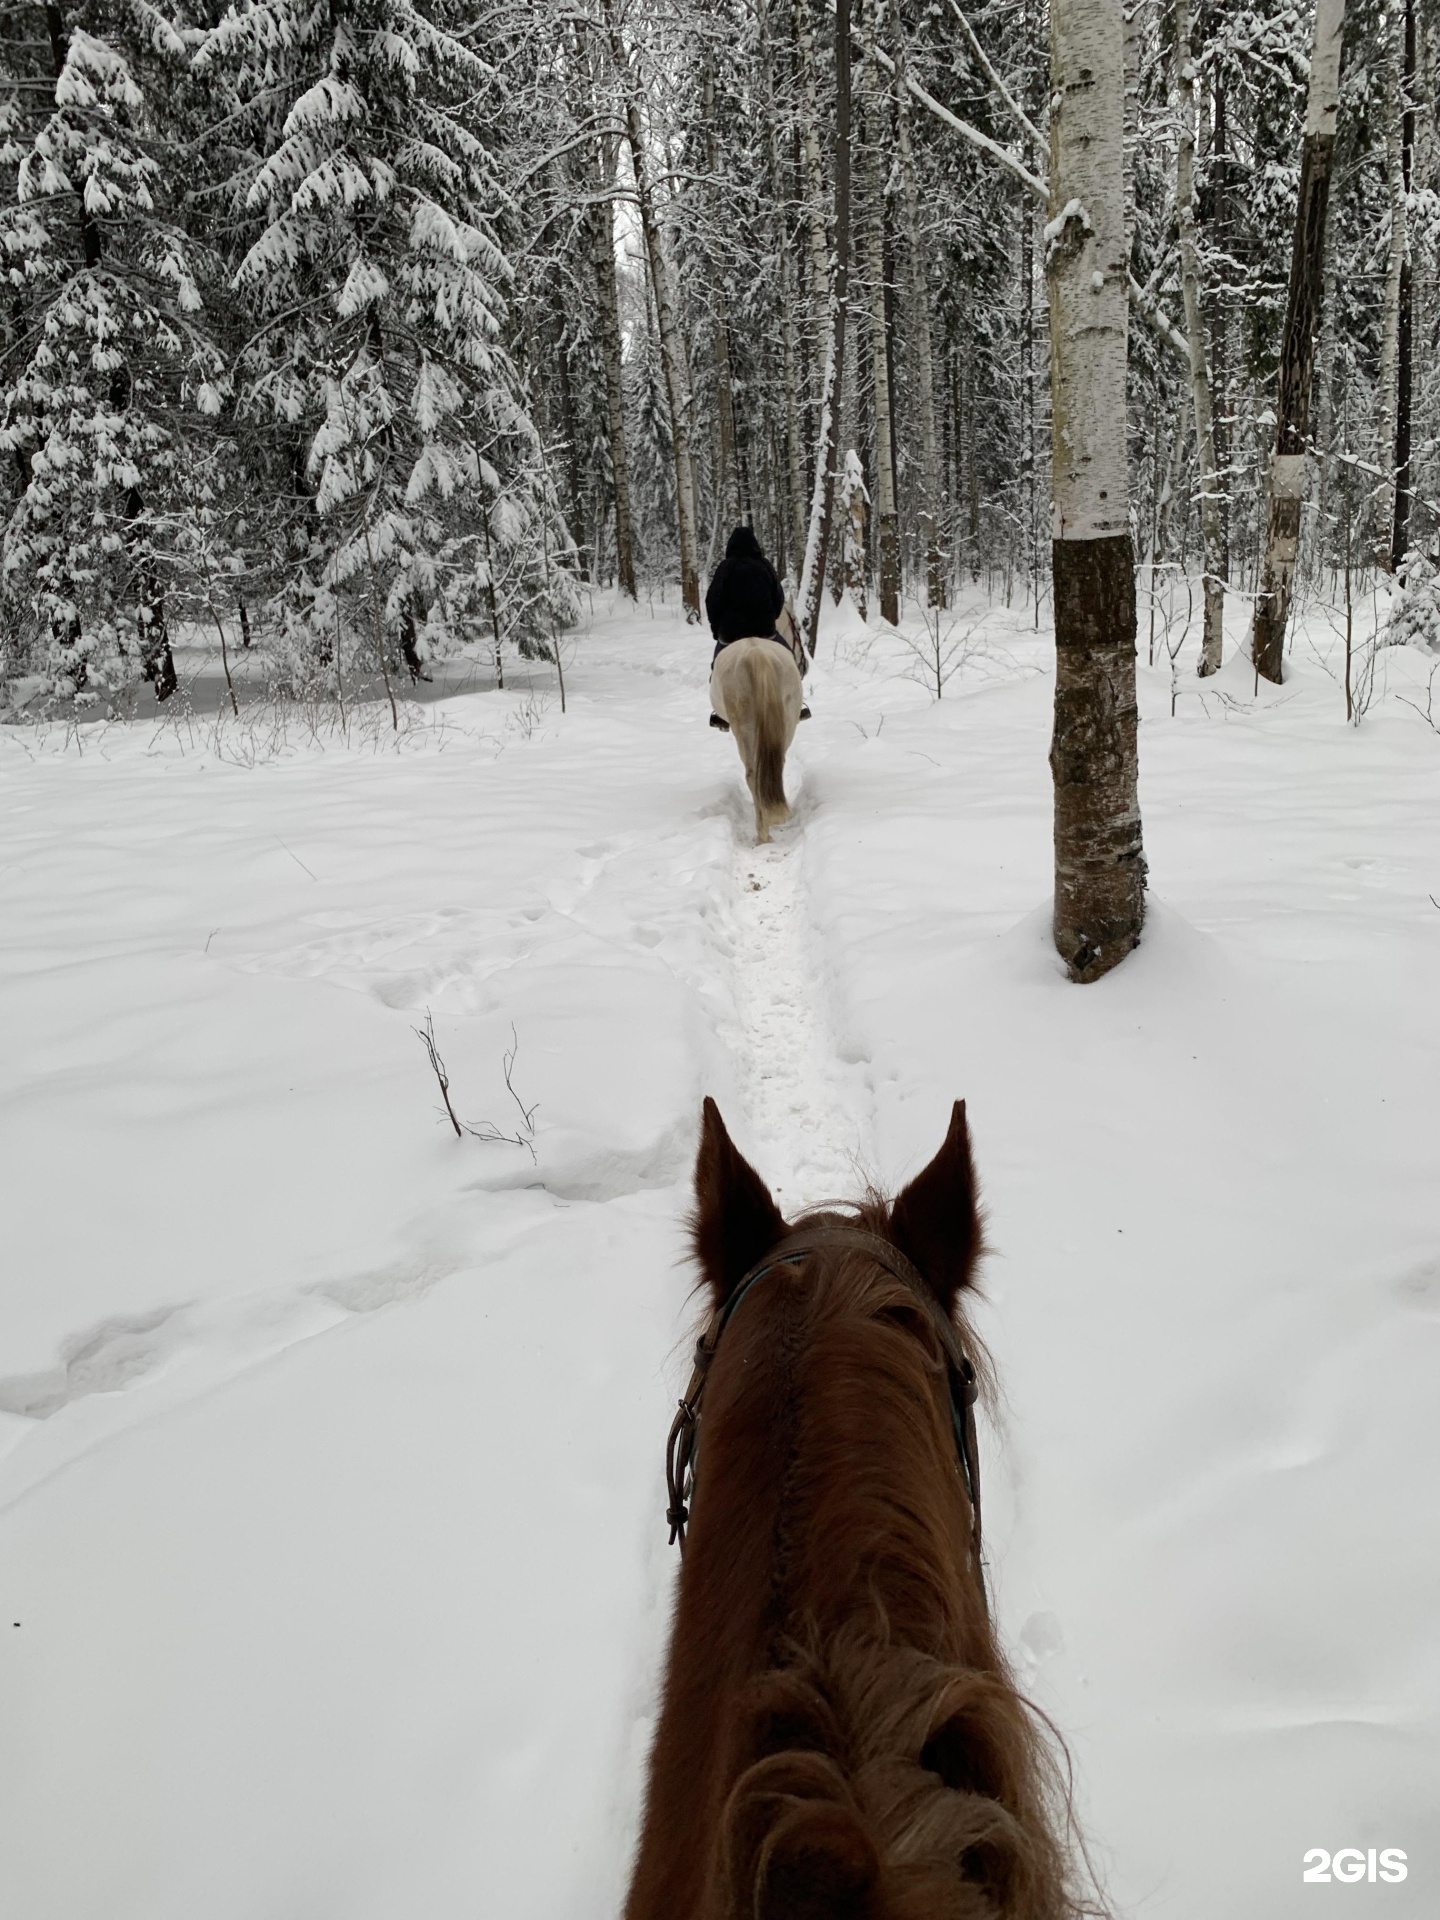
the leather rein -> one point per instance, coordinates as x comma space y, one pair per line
683, 1444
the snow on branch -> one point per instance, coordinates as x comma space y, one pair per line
1143, 303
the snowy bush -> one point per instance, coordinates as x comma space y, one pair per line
1415, 608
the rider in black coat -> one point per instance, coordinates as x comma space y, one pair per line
745, 600
745, 594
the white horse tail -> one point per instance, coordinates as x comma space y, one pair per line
769, 710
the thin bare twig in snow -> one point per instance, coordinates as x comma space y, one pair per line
1427, 712
426, 1036
524, 1134
295, 857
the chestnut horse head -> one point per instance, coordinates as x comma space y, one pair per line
839, 1737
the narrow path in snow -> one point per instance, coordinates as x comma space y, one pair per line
807, 1107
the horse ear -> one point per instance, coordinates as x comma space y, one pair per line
735, 1222
936, 1220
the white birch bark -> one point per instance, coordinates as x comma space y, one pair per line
1099, 858
1086, 266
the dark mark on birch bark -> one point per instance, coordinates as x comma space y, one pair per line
1099, 854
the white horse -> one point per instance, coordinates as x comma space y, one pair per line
755, 687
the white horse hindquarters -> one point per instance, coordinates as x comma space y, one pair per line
755, 686
725, 673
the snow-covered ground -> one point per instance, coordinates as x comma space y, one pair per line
333, 1576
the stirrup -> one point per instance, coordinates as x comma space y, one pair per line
720, 726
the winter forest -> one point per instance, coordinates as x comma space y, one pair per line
429, 996
364, 335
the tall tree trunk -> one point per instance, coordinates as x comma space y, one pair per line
1207, 467
573, 512
1099, 858
672, 349
1319, 489
1027, 393
729, 488
1285, 493
789, 343
1224, 355
608, 300
972, 473
887, 522
1404, 330
919, 330
853, 533
809, 113
1383, 527
822, 494
794, 453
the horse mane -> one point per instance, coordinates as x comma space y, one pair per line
841, 1738
882, 1774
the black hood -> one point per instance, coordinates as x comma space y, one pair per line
742, 545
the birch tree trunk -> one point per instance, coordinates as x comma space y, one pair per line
672, 349
1212, 532
887, 524
1099, 858
822, 493
608, 302
1286, 489
919, 329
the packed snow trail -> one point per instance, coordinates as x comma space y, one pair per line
805, 1106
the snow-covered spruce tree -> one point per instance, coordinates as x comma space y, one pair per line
1099, 860
376, 289
109, 375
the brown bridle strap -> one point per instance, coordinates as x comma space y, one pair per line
681, 1447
